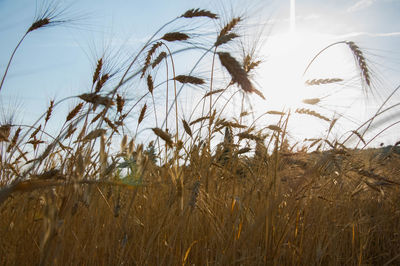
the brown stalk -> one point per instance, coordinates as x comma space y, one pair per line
74, 112
189, 79
163, 135
175, 36
187, 127
5, 132
312, 113
238, 74
313, 82
142, 113
192, 13
120, 103
96, 73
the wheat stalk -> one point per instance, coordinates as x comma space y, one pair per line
361, 61
312, 113
238, 74
120, 103
97, 99
163, 135
189, 79
74, 112
142, 113
311, 101
187, 127
192, 13
315, 82
158, 59
152, 50
97, 71
5, 132
175, 36
13, 140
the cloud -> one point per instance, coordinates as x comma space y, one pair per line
371, 34
361, 4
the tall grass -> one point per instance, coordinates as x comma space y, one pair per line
216, 189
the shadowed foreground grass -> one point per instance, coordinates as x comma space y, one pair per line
318, 217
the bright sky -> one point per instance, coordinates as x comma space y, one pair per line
56, 62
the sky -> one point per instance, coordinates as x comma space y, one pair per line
56, 62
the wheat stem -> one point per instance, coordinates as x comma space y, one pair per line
11, 58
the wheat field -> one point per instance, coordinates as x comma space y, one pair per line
204, 187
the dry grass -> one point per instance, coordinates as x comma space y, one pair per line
91, 194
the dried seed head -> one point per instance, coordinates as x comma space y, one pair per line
228, 27
187, 128
333, 122
238, 74
225, 39
175, 36
35, 142
94, 134
5, 132
313, 82
148, 57
131, 147
14, 139
213, 92
101, 82
189, 79
49, 111
249, 64
275, 113
96, 73
96, 99
158, 60
124, 141
199, 120
179, 145
120, 103
111, 124
163, 135
361, 61
191, 13
311, 101
246, 135
312, 113
101, 114
142, 113
244, 150
34, 133
74, 112
274, 128
71, 131
232, 124
150, 84
39, 24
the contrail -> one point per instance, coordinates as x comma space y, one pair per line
292, 16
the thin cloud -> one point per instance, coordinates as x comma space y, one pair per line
370, 34
361, 4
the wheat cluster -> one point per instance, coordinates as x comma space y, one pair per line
215, 188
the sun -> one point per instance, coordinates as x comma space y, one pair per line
288, 54
283, 78
282, 71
